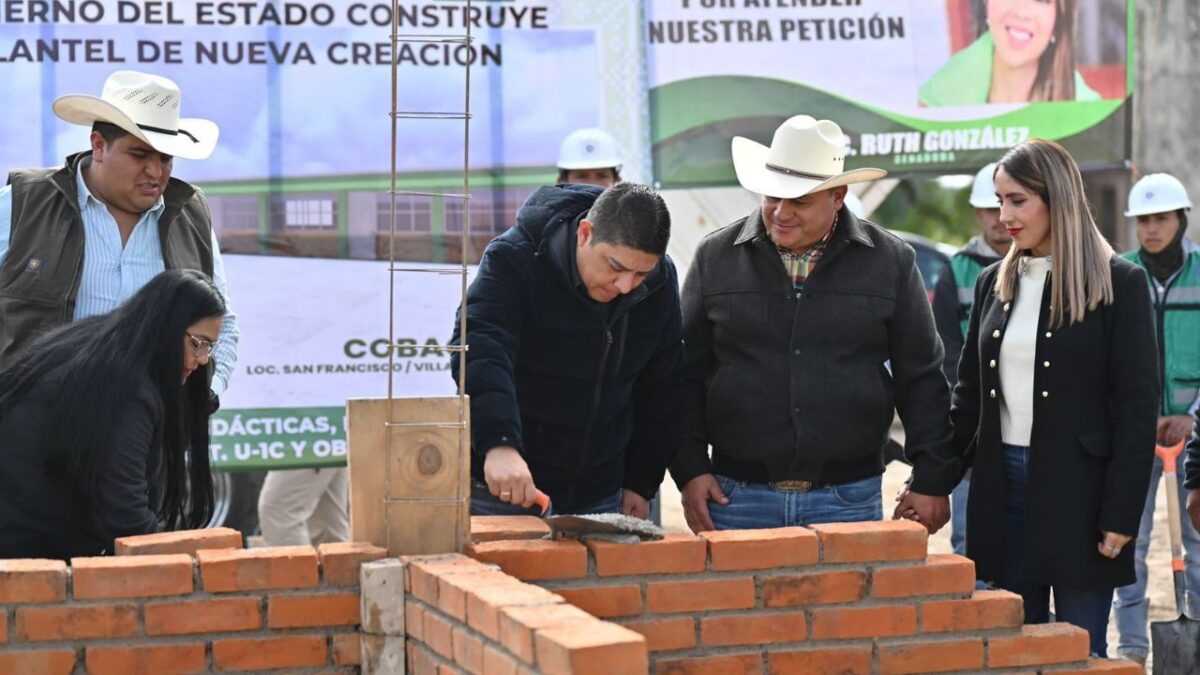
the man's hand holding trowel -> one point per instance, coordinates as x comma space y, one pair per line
509, 480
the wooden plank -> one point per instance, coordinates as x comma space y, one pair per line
409, 495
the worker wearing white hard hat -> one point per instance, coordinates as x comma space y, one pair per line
1160, 204
589, 157
953, 296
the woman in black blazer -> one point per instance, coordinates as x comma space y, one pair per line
1057, 400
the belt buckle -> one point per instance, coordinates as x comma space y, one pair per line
792, 485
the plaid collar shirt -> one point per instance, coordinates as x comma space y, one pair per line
800, 265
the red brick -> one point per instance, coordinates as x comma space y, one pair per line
146, 659
185, 541
940, 575
605, 601
930, 657
258, 569
421, 661
826, 661
340, 561
211, 615
863, 622
600, 648
40, 624
414, 620
1039, 645
307, 611
818, 588
984, 610
695, 596
752, 629
529, 559
140, 576
41, 661
496, 662
666, 634
729, 664
485, 602
675, 554
499, 528
736, 550
468, 650
517, 625
293, 651
872, 541
452, 589
32, 580
424, 572
3, 625
347, 649
1106, 666
439, 634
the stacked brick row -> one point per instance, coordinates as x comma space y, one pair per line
186, 602
464, 616
845, 598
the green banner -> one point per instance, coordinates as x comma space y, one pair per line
277, 438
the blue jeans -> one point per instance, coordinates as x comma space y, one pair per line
484, 503
958, 515
1132, 607
754, 506
1085, 608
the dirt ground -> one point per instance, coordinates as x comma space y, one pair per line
1162, 594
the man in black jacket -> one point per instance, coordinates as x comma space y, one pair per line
805, 327
574, 368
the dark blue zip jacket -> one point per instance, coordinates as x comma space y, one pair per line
588, 396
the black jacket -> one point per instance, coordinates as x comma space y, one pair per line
44, 513
949, 311
788, 385
1095, 410
1191, 460
587, 392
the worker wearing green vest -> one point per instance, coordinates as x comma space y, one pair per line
952, 298
1160, 204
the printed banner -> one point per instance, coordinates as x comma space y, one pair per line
314, 333
917, 85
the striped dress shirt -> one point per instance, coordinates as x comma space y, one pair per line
112, 273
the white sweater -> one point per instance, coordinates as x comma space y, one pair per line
1017, 352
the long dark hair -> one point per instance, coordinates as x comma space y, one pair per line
1056, 66
105, 360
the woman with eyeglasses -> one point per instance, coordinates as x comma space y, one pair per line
104, 424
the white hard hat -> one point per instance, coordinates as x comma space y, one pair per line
855, 205
1157, 193
588, 149
983, 190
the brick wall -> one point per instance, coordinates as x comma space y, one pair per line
847, 598
184, 602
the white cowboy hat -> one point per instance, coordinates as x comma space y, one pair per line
806, 155
146, 106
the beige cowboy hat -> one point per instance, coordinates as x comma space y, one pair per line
806, 155
146, 106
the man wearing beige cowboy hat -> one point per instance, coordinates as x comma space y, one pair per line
78, 240
805, 326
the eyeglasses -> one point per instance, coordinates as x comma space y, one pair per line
204, 348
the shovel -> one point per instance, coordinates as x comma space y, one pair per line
1176, 644
614, 527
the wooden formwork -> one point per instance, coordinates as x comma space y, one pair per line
410, 473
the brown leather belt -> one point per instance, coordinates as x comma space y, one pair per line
793, 485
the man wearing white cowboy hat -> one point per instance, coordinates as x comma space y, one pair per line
804, 327
80, 239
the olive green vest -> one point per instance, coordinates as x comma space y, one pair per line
1177, 315
40, 275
